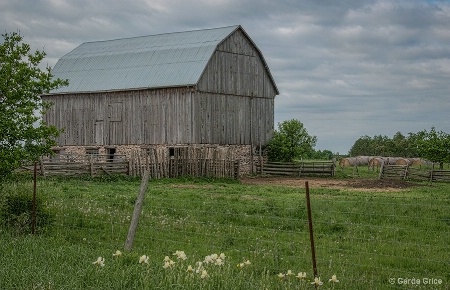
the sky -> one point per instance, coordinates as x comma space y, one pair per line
345, 69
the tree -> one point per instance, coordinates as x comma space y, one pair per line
399, 145
321, 155
291, 141
23, 135
362, 146
434, 146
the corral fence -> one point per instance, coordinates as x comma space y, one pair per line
183, 166
413, 173
135, 165
299, 168
78, 164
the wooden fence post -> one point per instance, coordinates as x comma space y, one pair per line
236, 169
91, 166
42, 166
311, 234
137, 212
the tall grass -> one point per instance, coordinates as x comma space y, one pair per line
365, 238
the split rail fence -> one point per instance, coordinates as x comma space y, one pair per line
413, 173
299, 168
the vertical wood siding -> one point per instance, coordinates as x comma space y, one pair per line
169, 116
236, 68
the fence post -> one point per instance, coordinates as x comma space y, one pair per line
381, 170
91, 166
42, 166
311, 235
33, 213
137, 212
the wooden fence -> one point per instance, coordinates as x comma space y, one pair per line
299, 168
95, 165
75, 165
185, 167
408, 172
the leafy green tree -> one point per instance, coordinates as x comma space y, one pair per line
362, 146
434, 146
23, 135
321, 155
290, 142
379, 145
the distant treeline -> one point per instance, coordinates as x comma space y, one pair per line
398, 145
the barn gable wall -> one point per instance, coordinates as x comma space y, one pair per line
236, 68
237, 74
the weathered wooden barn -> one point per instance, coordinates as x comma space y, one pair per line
197, 88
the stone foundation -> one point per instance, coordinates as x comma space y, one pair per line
248, 163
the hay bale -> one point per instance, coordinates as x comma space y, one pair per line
376, 162
344, 162
403, 161
355, 161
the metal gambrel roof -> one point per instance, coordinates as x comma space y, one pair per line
155, 61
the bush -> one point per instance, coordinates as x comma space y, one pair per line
291, 141
16, 211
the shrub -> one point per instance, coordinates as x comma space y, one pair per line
16, 210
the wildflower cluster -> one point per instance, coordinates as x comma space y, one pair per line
117, 254
289, 273
244, 264
180, 255
143, 259
215, 259
301, 276
210, 262
168, 263
100, 262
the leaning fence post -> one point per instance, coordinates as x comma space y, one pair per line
137, 212
311, 235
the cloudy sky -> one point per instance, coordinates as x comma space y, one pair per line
344, 68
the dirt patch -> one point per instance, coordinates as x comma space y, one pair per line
356, 184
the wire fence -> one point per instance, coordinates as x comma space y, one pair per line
382, 240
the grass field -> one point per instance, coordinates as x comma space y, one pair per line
370, 239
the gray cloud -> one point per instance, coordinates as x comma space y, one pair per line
344, 68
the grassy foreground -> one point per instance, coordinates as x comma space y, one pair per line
370, 240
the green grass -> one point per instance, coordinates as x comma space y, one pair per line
364, 238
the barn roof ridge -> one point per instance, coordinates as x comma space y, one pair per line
164, 33
172, 59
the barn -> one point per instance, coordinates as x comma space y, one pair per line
208, 88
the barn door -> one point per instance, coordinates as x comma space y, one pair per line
98, 132
115, 134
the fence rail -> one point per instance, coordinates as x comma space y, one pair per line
96, 165
408, 172
299, 168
